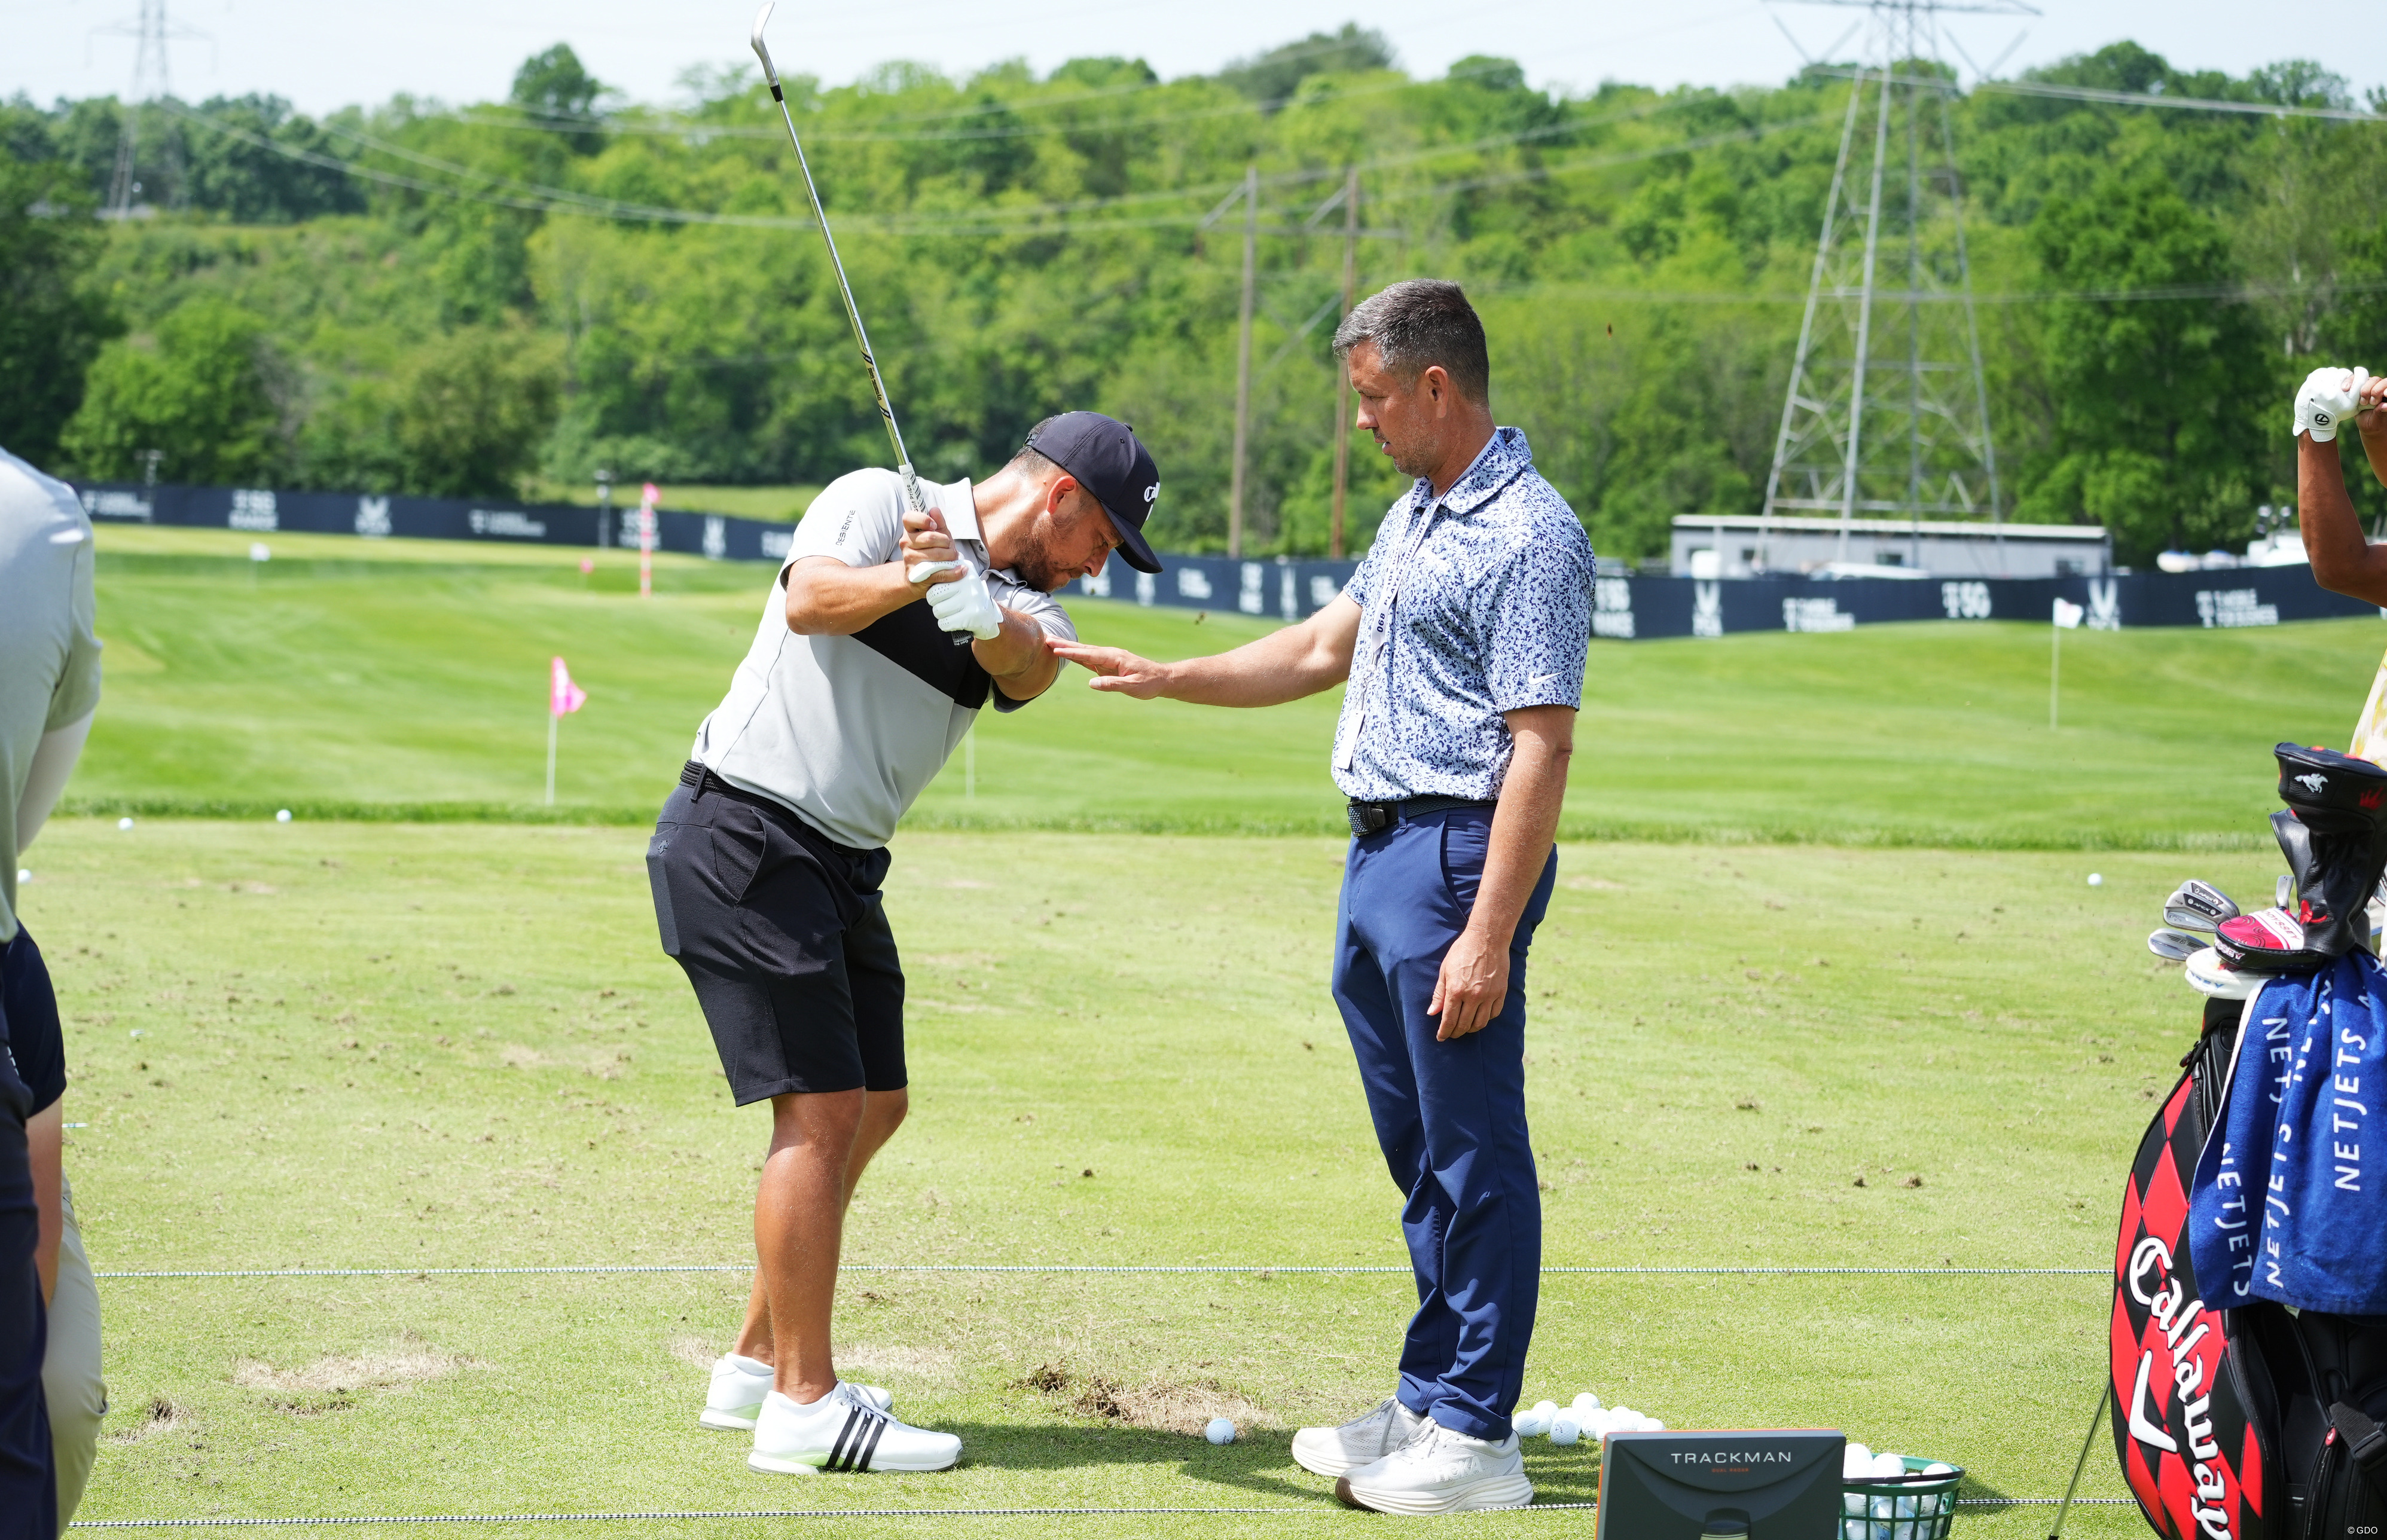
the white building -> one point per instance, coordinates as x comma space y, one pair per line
1886, 547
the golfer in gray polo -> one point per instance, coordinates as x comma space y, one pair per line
885, 635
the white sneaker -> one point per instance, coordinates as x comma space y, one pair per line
1440, 1471
734, 1398
1362, 1441
843, 1430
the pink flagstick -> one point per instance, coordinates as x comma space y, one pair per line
564, 698
647, 501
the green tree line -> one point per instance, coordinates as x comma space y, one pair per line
417, 296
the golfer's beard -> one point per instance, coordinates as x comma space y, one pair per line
1037, 568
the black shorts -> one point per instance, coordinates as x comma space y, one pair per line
782, 934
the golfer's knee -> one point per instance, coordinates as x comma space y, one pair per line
829, 1119
887, 1109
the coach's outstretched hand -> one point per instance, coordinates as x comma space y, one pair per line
1115, 669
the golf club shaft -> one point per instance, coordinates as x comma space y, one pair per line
861, 339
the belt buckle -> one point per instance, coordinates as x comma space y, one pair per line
1370, 818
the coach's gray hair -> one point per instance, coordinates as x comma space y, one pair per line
1418, 323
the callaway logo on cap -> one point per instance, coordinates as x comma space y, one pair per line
1112, 464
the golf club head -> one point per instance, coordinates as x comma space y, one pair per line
2174, 946
2283, 892
2198, 905
763, 19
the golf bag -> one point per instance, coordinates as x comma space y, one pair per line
2258, 1423
2335, 836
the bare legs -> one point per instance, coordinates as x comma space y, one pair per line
820, 1145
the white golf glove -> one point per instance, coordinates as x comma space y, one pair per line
966, 605
2327, 400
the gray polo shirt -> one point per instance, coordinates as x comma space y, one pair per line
49, 657
849, 730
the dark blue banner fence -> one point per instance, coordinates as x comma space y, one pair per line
1628, 608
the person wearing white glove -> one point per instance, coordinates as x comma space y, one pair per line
2327, 399
2344, 559
963, 603
886, 633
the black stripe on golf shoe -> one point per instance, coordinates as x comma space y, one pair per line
836, 1453
878, 1427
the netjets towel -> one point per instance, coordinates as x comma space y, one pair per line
2290, 1201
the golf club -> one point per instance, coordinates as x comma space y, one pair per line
837, 264
2175, 946
2283, 892
2197, 905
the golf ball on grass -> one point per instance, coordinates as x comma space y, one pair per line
123, 824
1220, 1431
1565, 1429
2096, 880
283, 816
1536, 1420
1586, 1402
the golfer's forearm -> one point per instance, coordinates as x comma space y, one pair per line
1022, 668
2343, 561
44, 1139
826, 598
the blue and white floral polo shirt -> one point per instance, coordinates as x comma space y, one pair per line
1474, 605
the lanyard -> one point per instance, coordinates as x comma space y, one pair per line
1377, 641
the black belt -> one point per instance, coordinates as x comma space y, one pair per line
1370, 817
700, 781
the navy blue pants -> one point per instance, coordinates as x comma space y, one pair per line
1450, 1117
28, 1491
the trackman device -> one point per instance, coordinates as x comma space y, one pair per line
1774, 1486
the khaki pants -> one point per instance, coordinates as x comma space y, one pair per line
70, 1379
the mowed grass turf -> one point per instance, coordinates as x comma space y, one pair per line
421, 1045
363, 677
412, 1046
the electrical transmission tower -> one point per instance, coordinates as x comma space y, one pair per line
1886, 415
149, 84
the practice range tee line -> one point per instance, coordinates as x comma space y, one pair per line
1089, 1268
878, 1513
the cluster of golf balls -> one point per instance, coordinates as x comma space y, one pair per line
1584, 1418
1883, 1516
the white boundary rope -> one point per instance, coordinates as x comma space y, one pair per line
871, 1513
1093, 1267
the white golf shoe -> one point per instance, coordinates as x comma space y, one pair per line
1440, 1471
734, 1398
843, 1430
1362, 1441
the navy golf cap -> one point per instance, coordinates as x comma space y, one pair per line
1112, 464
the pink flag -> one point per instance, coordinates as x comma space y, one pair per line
564, 696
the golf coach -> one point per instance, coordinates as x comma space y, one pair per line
767, 859
1463, 637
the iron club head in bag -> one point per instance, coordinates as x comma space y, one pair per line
2174, 946
2198, 905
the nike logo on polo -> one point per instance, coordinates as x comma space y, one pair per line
1538, 680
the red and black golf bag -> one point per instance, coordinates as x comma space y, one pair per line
2255, 1423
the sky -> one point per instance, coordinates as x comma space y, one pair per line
322, 57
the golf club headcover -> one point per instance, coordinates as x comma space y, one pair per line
2336, 845
2209, 976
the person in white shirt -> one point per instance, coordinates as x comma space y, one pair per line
768, 859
